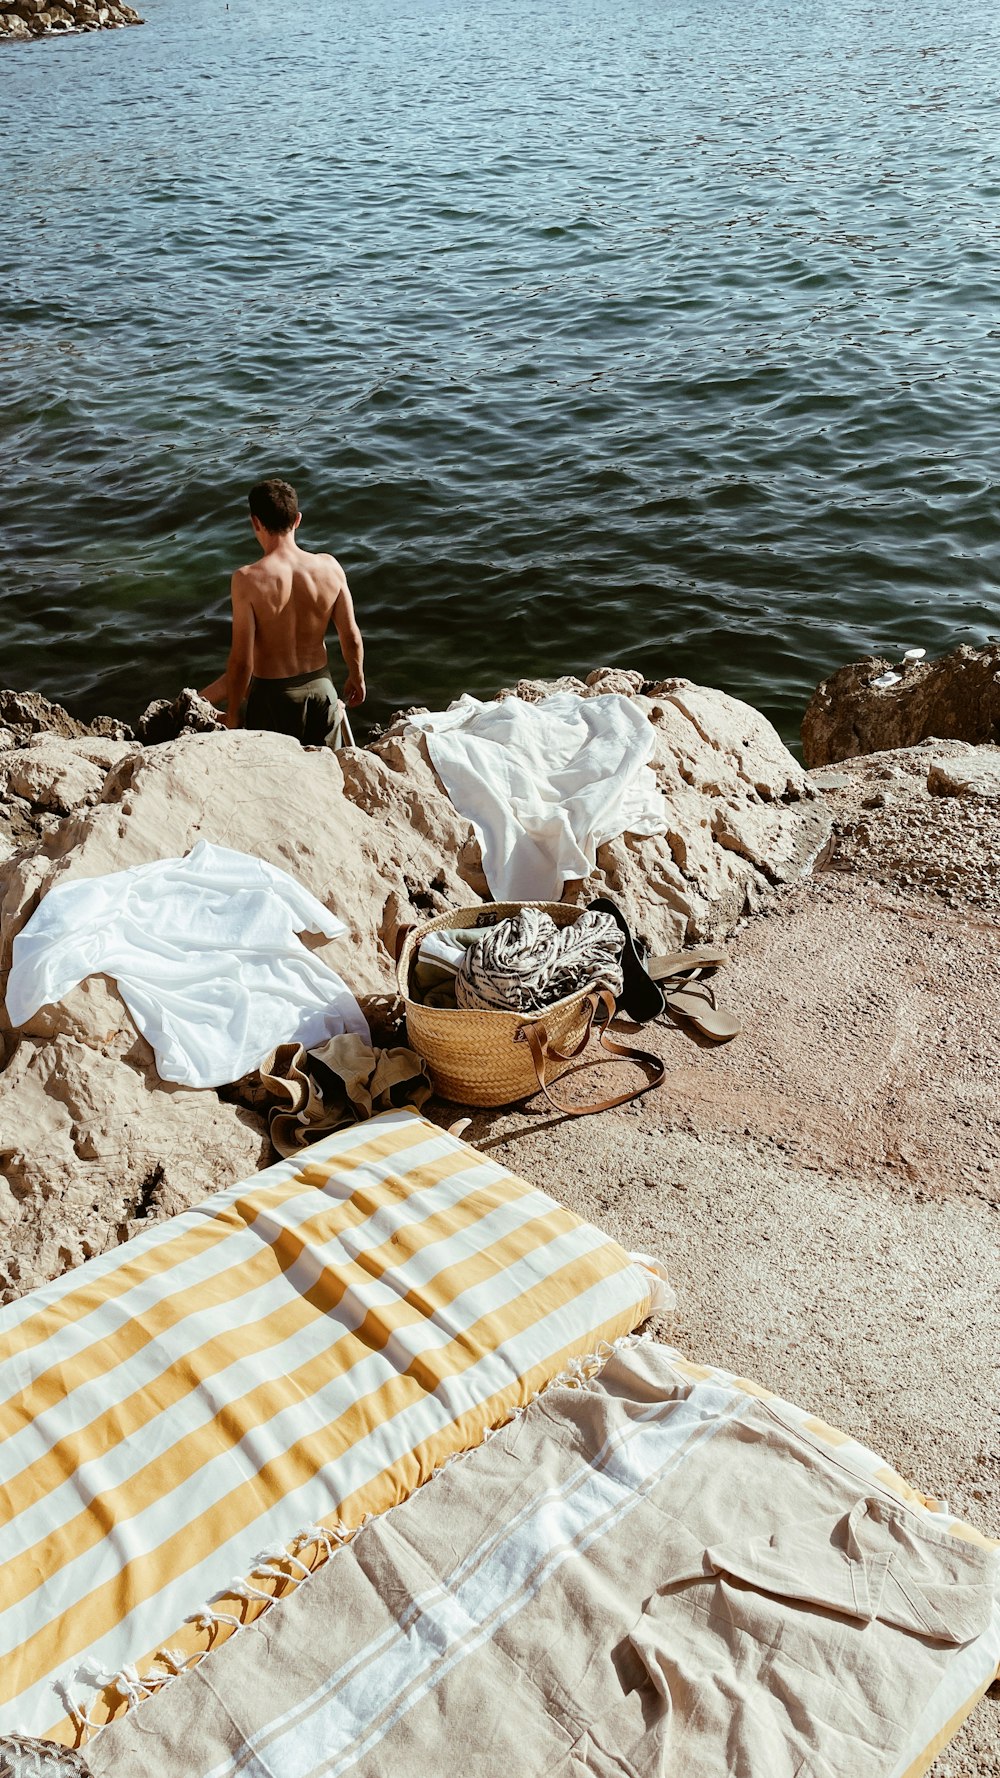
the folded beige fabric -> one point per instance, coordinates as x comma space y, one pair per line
660, 1574
309, 1093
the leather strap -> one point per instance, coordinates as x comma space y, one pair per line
541, 1050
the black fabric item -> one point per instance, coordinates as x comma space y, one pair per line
640, 999
305, 706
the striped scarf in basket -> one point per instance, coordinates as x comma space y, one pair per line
527, 962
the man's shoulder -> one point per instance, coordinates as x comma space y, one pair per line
325, 567
321, 559
244, 578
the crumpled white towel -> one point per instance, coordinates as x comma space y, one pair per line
206, 958
545, 784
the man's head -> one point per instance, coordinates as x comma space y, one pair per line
273, 507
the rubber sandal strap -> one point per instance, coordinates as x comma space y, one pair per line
683, 962
696, 985
695, 1000
640, 999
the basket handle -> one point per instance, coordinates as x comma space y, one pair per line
537, 1041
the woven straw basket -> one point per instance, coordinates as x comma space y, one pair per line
478, 1058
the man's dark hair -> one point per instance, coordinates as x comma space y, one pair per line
274, 505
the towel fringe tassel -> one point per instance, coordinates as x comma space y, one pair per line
281, 1563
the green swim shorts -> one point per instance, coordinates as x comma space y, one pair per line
305, 705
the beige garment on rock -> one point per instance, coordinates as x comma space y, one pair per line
660, 1575
309, 1093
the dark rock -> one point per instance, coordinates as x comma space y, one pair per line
188, 714
954, 698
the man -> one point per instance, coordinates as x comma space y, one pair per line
282, 608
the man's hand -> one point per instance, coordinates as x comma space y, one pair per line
354, 690
215, 693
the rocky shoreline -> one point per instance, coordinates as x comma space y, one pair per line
21, 20
824, 1191
372, 834
745, 824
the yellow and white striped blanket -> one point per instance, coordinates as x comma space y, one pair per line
297, 1353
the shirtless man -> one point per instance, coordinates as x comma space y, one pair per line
282, 608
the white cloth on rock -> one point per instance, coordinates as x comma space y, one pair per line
545, 784
205, 953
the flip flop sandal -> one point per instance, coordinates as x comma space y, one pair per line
697, 957
695, 1001
640, 999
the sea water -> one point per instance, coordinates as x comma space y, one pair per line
663, 335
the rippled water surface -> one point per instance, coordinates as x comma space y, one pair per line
660, 334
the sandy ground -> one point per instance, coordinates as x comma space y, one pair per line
825, 1190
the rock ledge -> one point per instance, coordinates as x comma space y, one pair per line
956, 698
23, 19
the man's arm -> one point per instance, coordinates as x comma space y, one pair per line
239, 668
213, 694
351, 647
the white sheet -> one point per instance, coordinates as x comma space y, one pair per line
545, 784
206, 958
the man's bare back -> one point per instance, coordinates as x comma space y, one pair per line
290, 597
283, 606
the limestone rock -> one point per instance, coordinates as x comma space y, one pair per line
50, 776
602, 680
27, 713
824, 778
35, 18
532, 691
978, 774
737, 734
954, 698
93, 1146
924, 820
